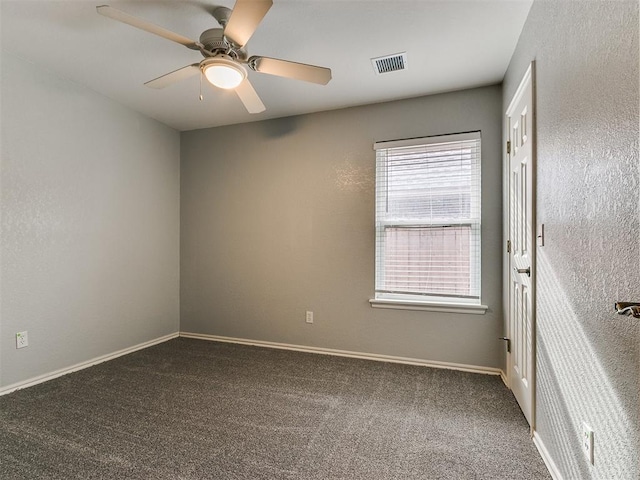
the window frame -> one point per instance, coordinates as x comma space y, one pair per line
421, 301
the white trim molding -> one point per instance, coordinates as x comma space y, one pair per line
346, 353
428, 306
546, 457
81, 366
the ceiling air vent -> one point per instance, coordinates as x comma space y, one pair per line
390, 63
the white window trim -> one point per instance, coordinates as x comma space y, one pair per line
413, 302
429, 306
413, 142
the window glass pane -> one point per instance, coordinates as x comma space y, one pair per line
428, 260
427, 184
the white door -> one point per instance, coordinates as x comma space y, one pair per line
521, 219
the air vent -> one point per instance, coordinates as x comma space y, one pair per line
390, 63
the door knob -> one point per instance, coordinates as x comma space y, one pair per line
523, 270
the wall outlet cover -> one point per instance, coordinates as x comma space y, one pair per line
587, 442
22, 340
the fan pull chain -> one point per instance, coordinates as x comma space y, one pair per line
201, 97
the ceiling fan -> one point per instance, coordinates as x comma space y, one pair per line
225, 56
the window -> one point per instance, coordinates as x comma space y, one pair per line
428, 223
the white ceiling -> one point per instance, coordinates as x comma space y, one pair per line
450, 45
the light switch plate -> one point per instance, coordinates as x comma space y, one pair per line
540, 236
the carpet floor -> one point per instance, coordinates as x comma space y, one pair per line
192, 409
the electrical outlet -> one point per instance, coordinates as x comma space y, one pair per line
587, 442
309, 317
22, 340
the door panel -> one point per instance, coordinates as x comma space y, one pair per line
521, 304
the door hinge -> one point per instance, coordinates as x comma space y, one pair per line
508, 147
508, 340
508, 246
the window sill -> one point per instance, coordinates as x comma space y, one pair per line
429, 306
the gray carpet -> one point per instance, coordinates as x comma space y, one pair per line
191, 409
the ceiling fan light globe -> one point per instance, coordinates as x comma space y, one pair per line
224, 75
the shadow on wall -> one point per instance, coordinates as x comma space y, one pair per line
578, 391
280, 127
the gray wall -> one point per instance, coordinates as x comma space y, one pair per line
277, 217
588, 190
90, 224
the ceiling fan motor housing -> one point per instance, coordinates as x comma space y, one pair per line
213, 40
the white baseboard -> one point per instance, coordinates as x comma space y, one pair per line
80, 366
546, 457
345, 353
259, 343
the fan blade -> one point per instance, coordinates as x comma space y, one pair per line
285, 68
245, 18
249, 97
174, 77
123, 17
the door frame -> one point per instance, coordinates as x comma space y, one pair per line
529, 75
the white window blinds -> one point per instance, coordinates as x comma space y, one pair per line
428, 218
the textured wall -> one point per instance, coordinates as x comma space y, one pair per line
90, 224
588, 200
277, 217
